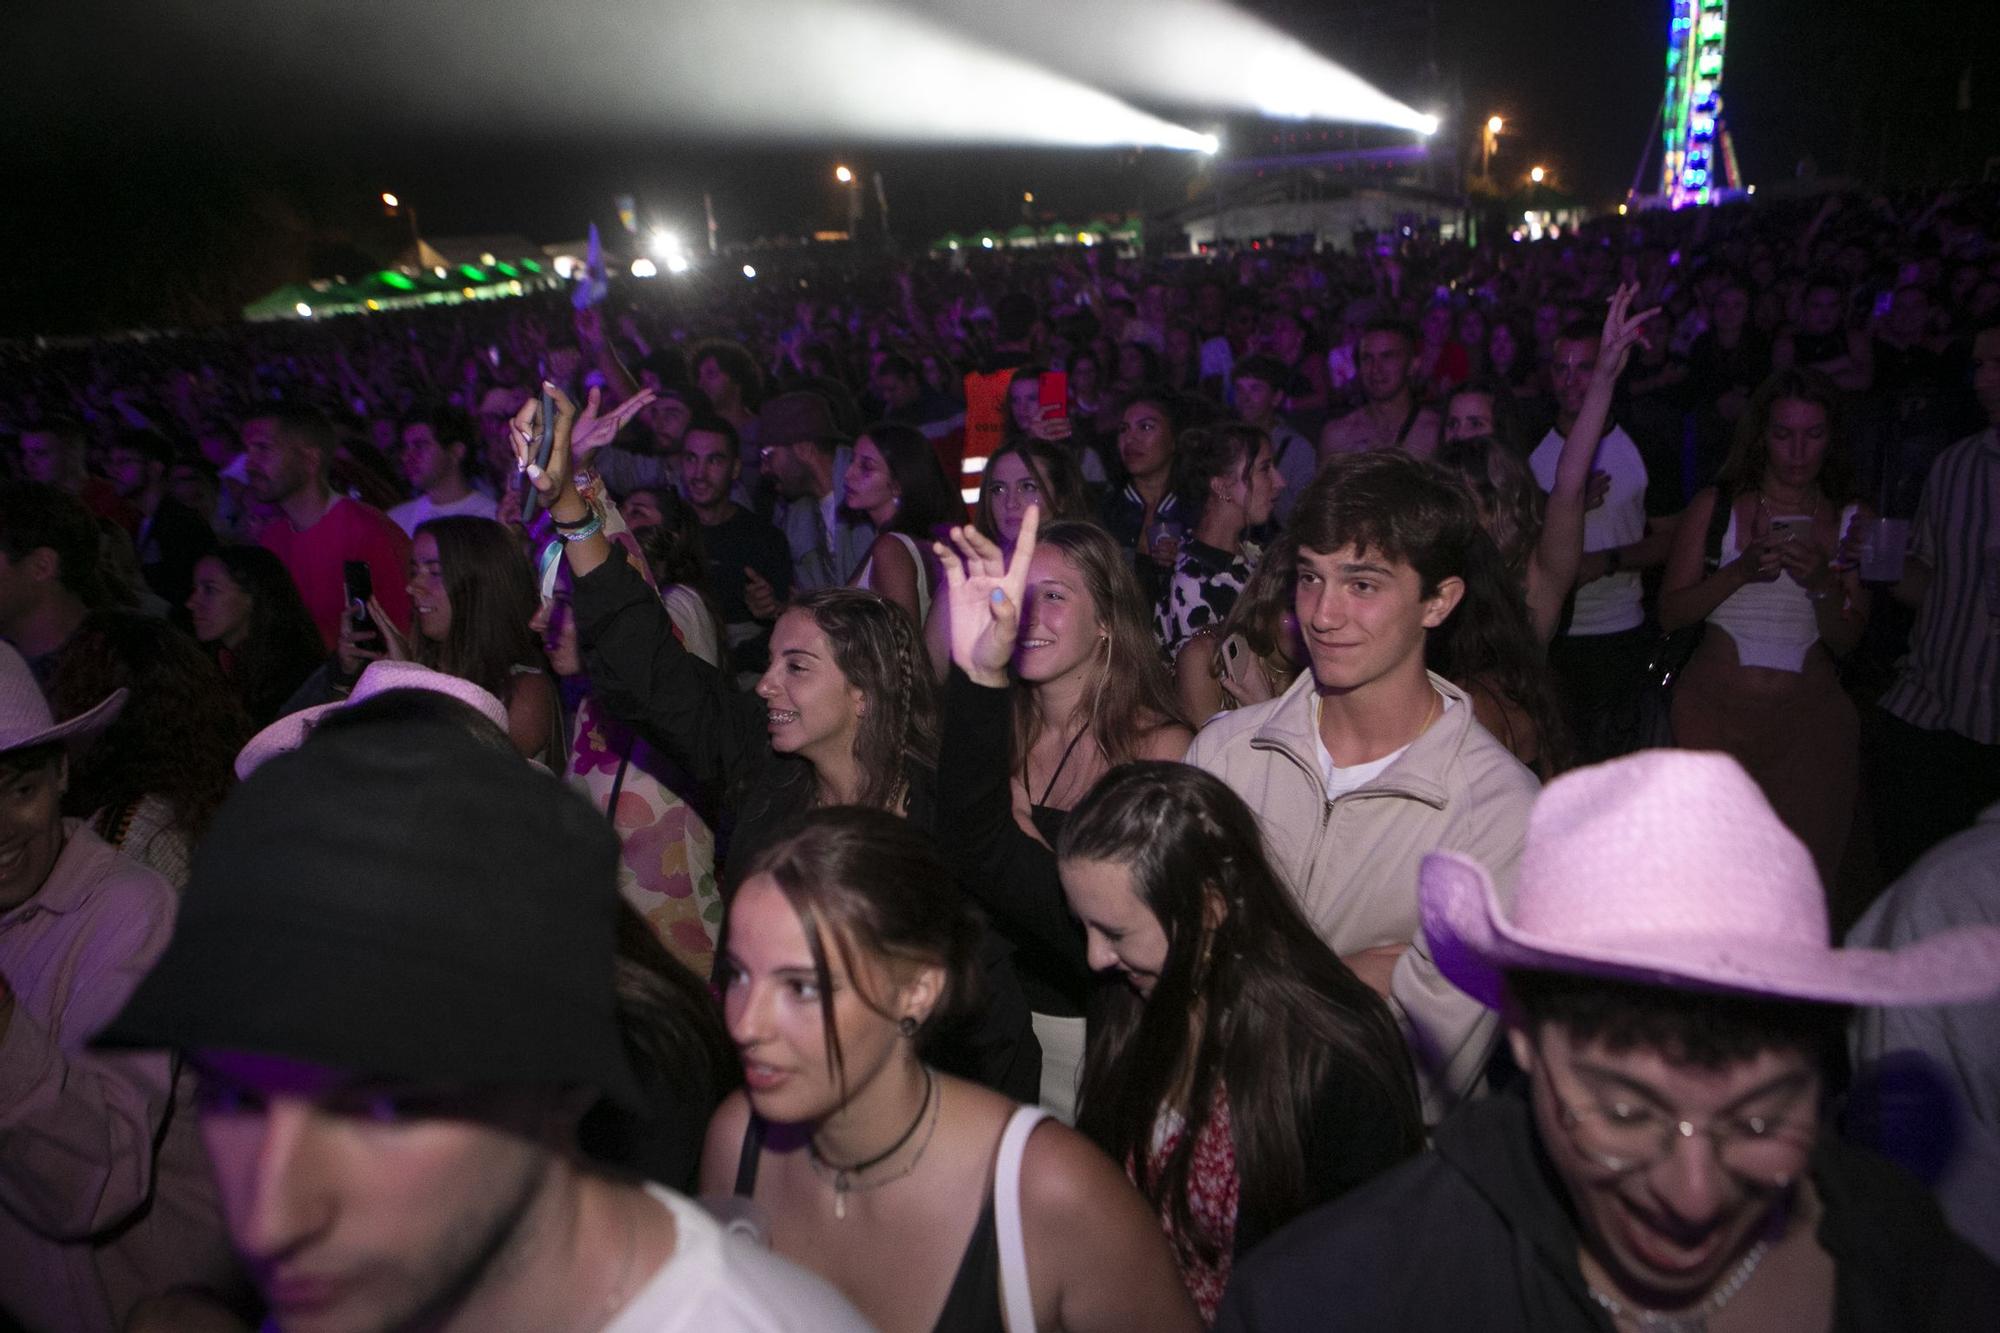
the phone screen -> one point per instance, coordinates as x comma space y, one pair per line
1054, 394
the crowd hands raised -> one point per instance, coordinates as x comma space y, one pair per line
1243, 869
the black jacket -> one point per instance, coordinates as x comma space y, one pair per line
693, 713
1010, 874
1478, 1235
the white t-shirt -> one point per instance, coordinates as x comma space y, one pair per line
1340, 781
720, 1282
411, 513
1613, 603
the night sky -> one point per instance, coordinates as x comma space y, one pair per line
158, 172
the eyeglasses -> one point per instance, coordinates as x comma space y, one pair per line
1628, 1133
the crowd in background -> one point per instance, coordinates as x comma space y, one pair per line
1173, 609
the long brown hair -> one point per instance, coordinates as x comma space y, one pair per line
1743, 471
865, 882
176, 737
492, 595
1132, 696
1278, 1018
879, 649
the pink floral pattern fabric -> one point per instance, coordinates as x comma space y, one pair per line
667, 863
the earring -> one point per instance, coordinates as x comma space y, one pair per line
907, 1026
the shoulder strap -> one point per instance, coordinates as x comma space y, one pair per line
1017, 1299
746, 1165
1718, 523
1416, 410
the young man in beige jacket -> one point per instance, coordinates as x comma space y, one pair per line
1369, 761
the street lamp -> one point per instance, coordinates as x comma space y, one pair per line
843, 175
1537, 174
1489, 144
846, 177
392, 203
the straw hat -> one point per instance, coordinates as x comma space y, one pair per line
290, 732
1669, 868
25, 718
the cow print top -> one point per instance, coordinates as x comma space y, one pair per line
1204, 588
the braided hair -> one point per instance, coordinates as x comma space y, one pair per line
878, 647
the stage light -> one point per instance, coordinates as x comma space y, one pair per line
643, 267
564, 266
749, 271
305, 311
845, 70
663, 244
1210, 144
677, 262
1186, 53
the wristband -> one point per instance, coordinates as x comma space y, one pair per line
590, 527
583, 522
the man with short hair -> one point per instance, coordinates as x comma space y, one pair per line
1391, 416
104, 1197
804, 457
1368, 761
1671, 998
171, 537
316, 532
1600, 659
1261, 382
1937, 745
437, 460
497, 407
52, 452
398, 1028
48, 571
905, 398
742, 550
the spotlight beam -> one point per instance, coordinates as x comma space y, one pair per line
1185, 53
802, 70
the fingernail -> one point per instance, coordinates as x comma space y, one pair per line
996, 596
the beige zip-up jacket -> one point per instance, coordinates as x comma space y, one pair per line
1352, 861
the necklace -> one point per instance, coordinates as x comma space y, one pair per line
843, 1176
1686, 1321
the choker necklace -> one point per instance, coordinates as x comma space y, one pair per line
843, 1176
1686, 1321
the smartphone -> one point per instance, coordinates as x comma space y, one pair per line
1054, 390
359, 585
531, 499
1791, 527
1235, 653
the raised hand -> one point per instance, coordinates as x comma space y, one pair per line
592, 431
557, 476
395, 644
1622, 330
986, 591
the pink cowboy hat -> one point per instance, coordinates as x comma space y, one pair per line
1669, 868
25, 717
290, 732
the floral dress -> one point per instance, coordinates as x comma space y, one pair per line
1213, 1191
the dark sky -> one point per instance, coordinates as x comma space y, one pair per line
157, 171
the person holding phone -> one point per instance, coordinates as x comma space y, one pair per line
1781, 596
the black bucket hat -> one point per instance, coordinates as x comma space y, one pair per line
403, 901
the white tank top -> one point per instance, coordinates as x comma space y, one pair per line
866, 578
1772, 623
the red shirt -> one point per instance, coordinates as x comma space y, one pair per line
348, 530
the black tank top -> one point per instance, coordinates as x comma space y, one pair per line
973, 1304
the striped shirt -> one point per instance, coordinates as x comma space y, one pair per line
1951, 678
